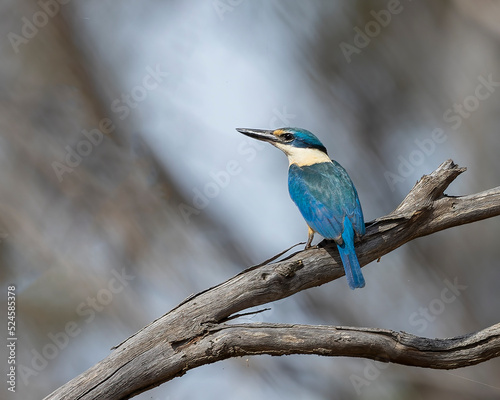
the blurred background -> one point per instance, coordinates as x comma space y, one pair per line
125, 187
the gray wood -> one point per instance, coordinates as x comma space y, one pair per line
196, 333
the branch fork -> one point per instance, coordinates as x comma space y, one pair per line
195, 332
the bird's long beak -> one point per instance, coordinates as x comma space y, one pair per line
259, 134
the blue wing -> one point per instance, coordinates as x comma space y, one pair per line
325, 195
328, 201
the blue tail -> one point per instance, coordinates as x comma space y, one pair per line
348, 255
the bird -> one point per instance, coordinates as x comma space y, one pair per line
323, 192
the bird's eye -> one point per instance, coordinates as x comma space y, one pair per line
287, 137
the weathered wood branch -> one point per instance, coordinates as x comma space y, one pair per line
195, 333
225, 341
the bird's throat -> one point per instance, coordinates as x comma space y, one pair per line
303, 156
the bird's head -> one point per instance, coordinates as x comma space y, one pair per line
300, 145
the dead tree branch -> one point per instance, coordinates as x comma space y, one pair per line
194, 333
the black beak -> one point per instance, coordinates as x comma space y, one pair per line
259, 134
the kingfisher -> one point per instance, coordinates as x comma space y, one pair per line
323, 192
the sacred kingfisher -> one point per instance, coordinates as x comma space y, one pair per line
323, 192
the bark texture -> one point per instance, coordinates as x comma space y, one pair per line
196, 332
